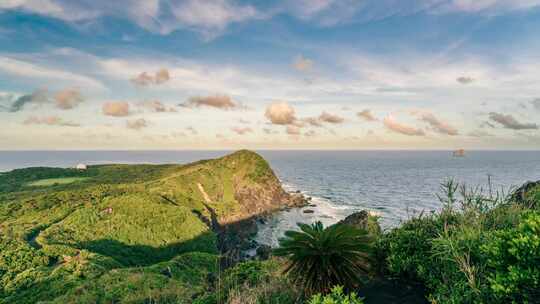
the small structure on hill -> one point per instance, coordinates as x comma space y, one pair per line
81, 167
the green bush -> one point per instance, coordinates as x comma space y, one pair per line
478, 249
336, 296
514, 257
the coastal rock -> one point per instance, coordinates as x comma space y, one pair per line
363, 220
357, 219
298, 200
522, 194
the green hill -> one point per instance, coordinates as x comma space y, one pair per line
125, 232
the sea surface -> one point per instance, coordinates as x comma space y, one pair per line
393, 184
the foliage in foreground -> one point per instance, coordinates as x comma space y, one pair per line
514, 257
480, 248
257, 282
320, 258
336, 296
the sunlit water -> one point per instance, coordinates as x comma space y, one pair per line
394, 184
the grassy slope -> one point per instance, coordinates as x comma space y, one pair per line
53, 181
116, 225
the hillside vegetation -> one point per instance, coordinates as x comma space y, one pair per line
166, 234
130, 233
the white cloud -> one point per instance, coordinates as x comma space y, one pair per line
210, 17
27, 70
486, 6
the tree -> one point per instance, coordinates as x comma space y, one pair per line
320, 258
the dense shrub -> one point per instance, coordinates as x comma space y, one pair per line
478, 249
336, 296
514, 257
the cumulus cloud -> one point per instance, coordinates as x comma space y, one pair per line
49, 120
302, 64
438, 125
465, 80
68, 99
156, 106
241, 131
509, 122
292, 130
146, 79
331, 118
280, 113
137, 124
391, 124
116, 108
366, 115
222, 102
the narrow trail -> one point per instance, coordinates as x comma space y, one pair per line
205, 195
32, 235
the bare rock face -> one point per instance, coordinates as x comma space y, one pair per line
256, 188
359, 220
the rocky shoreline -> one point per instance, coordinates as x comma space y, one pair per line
238, 239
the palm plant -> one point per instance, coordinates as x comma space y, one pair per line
320, 258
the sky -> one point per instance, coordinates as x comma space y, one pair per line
284, 74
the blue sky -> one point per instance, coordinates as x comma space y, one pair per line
225, 74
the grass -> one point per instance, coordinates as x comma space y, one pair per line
139, 234
117, 232
56, 181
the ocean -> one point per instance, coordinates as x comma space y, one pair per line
393, 184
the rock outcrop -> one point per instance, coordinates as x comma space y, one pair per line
363, 220
357, 219
523, 194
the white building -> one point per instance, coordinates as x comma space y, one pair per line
81, 167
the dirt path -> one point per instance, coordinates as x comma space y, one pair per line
205, 195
